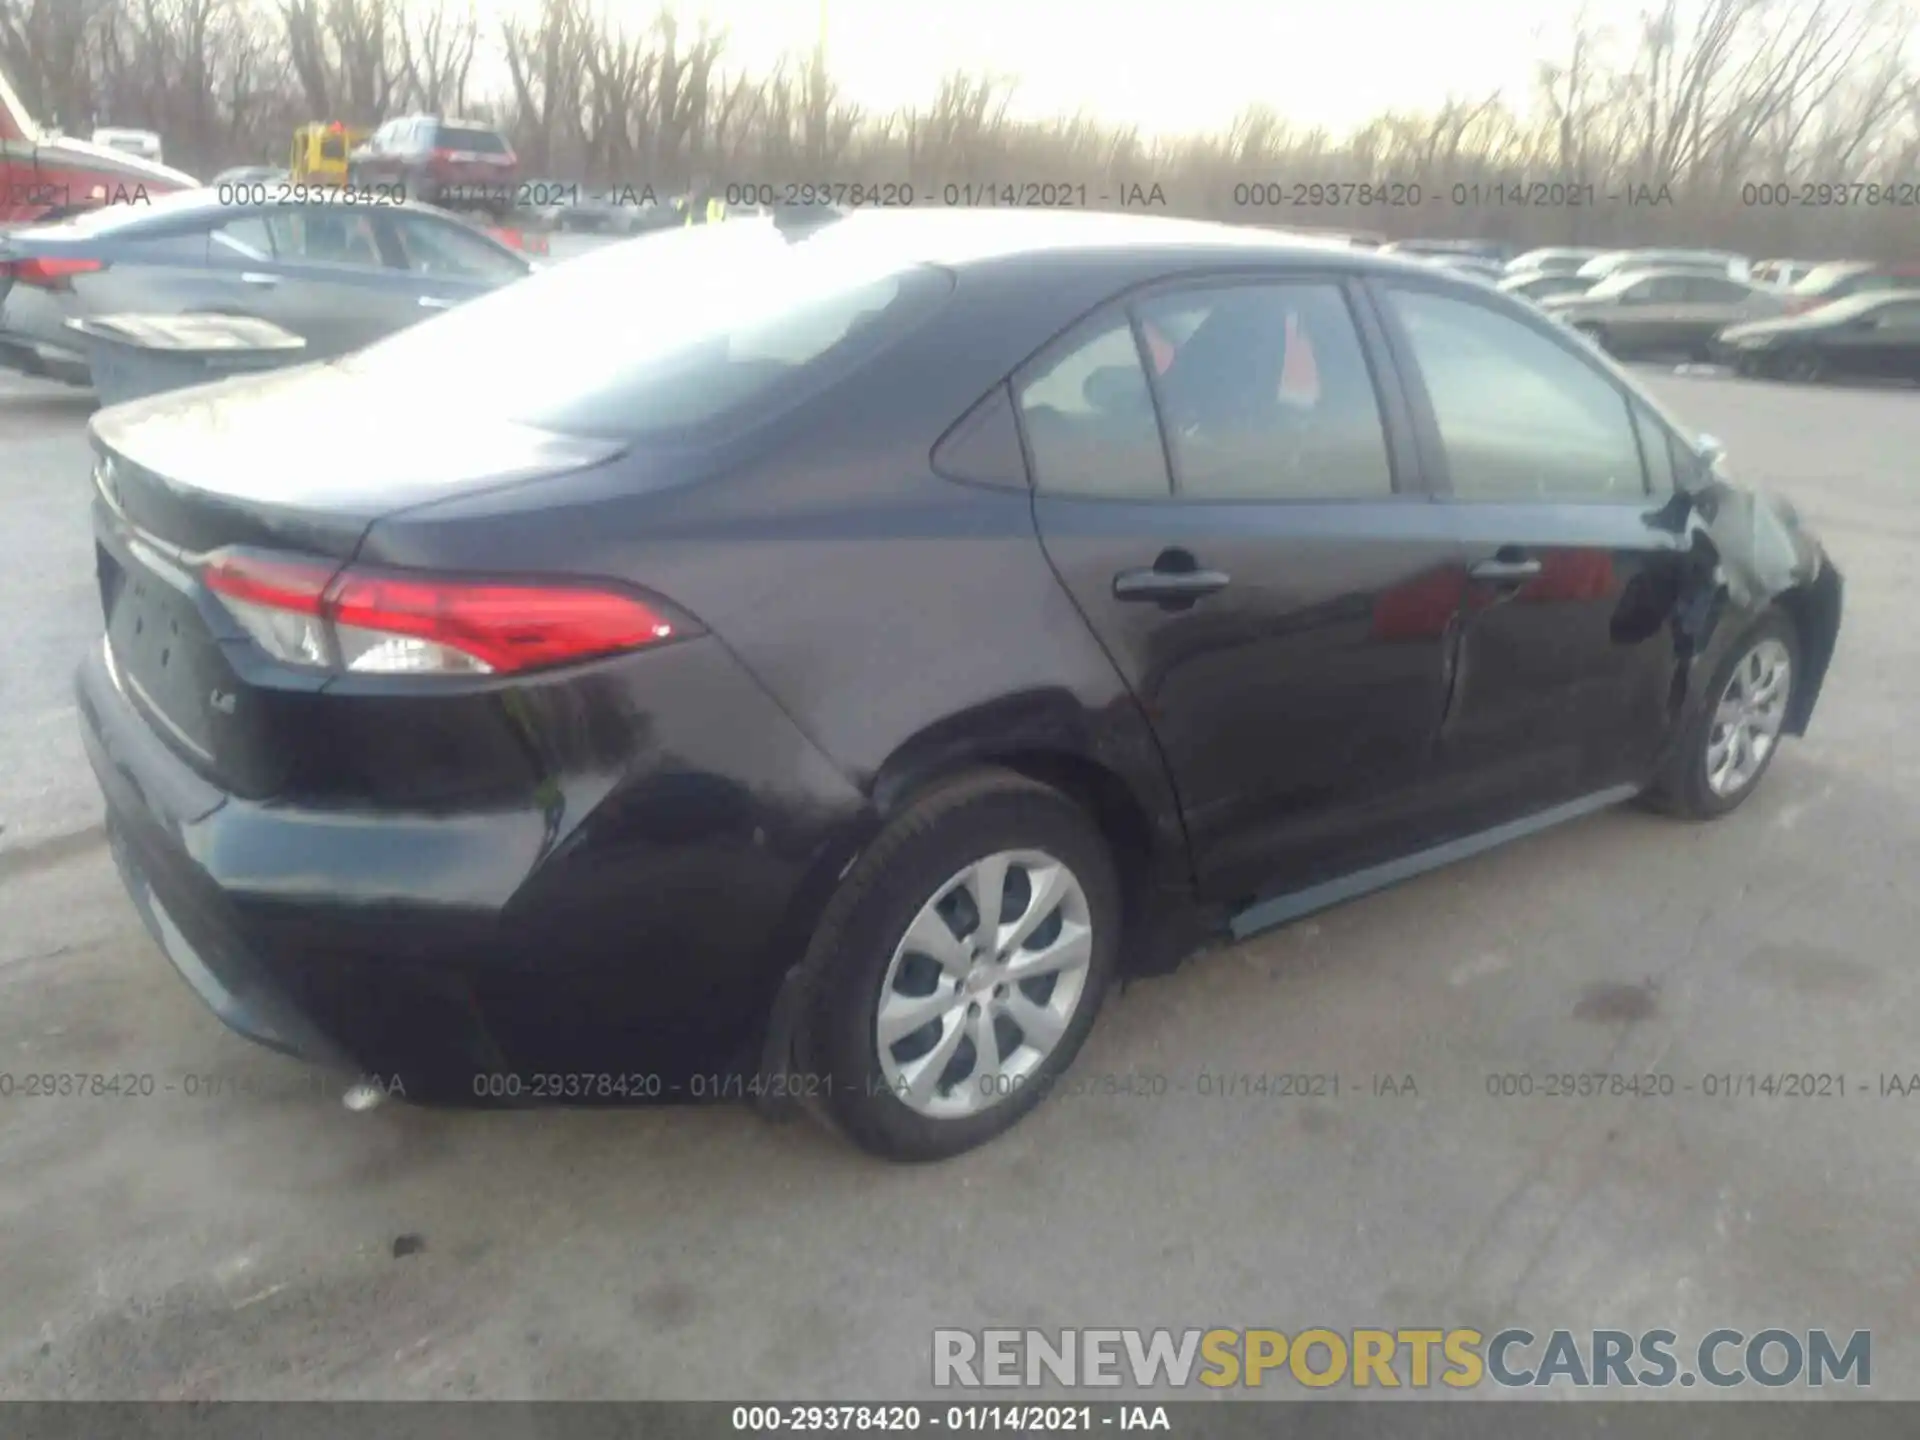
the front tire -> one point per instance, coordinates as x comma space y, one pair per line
930, 1035
1730, 743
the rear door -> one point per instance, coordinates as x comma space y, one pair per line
1226, 484
1566, 659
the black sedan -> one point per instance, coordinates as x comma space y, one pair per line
739, 664
1866, 337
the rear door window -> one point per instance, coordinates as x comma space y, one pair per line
1266, 395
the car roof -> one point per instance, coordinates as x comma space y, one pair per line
958, 237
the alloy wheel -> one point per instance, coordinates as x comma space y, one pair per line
984, 984
1746, 723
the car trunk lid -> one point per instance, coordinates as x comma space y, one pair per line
183, 476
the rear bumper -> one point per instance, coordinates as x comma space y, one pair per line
474, 957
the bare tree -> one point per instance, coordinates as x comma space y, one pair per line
1704, 115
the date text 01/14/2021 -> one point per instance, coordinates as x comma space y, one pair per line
642, 1086
1018, 1419
1463, 195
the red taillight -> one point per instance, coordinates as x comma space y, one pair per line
267, 580
442, 155
390, 622
51, 274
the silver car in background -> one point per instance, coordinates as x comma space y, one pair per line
1711, 262
337, 275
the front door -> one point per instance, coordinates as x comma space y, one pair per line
1232, 500
1566, 656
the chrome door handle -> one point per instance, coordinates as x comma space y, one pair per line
257, 277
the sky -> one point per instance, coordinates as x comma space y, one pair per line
1171, 66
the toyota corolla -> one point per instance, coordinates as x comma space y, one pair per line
837, 657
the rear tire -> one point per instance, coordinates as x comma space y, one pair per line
902, 942
1730, 742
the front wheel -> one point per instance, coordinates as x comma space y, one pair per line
960, 967
1732, 740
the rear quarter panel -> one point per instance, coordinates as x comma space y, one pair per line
906, 622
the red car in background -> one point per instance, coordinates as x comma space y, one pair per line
44, 176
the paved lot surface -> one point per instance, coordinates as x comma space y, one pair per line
243, 1244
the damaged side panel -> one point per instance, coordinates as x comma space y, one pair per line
1746, 553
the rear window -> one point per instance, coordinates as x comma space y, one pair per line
466, 137
334, 147
670, 334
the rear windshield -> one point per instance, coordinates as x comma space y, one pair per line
669, 334
334, 147
466, 137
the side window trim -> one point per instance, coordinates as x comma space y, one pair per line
1433, 455
1137, 327
1645, 421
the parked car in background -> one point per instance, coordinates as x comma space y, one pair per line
45, 175
1718, 262
1870, 336
1664, 312
1494, 250
459, 164
1784, 272
339, 276
1842, 279
251, 175
144, 143
1554, 260
578, 711
1540, 285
